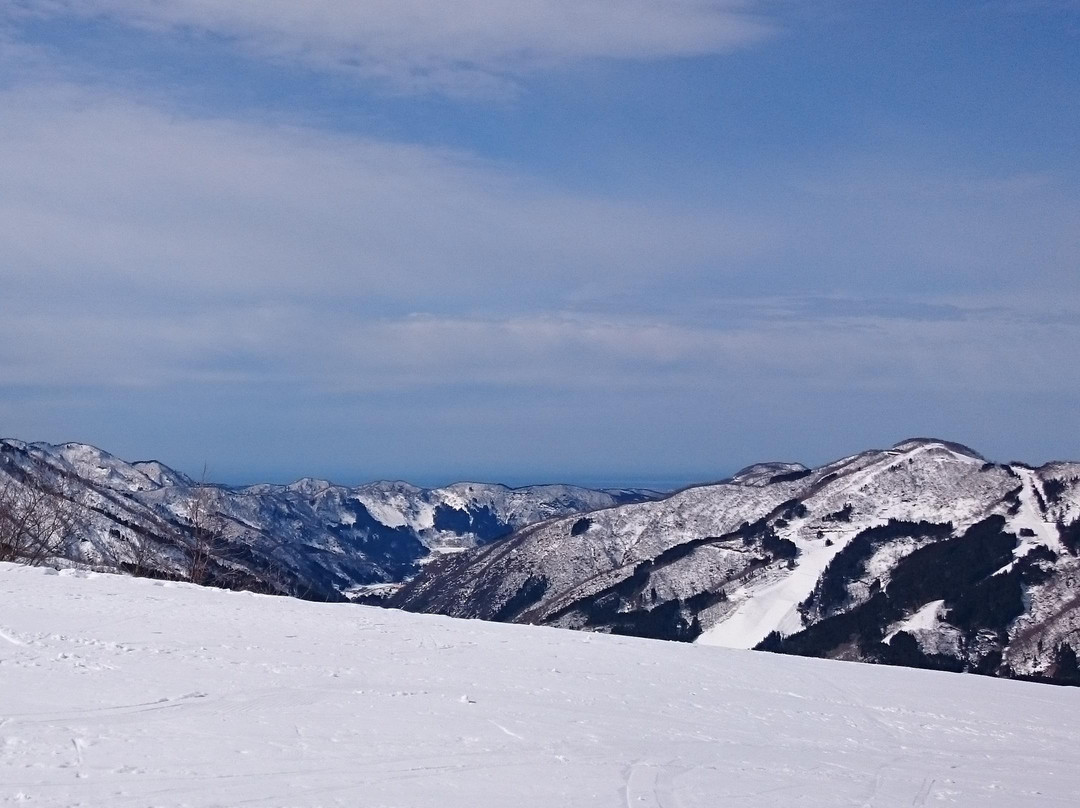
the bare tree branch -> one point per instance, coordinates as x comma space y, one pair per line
205, 543
36, 521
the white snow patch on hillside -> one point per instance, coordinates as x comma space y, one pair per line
766, 605
924, 619
389, 513
124, 692
437, 551
1030, 517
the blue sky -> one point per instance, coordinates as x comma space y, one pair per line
601, 241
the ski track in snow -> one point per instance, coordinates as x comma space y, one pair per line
7, 637
210, 698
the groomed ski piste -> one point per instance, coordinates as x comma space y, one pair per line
132, 692
770, 602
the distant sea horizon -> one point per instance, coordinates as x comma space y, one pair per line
663, 484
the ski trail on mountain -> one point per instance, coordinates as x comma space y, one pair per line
764, 607
772, 607
1030, 517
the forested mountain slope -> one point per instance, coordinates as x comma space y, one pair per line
311, 538
923, 554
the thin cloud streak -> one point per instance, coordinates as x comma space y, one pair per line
475, 47
302, 347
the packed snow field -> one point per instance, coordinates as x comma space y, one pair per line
131, 692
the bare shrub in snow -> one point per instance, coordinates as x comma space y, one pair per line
205, 539
36, 521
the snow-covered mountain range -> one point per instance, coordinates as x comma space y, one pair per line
923, 554
311, 538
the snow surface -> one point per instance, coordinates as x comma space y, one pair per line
130, 692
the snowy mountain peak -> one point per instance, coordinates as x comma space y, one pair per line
309, 486
765, 473
937, 443
161, 474
469, 488
91, 463
400, 487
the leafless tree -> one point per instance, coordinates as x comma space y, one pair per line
205, 541
36, 521
144, 556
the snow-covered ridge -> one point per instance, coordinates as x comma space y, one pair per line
311, 538
939, 445
779, 549
214, 698
765, 473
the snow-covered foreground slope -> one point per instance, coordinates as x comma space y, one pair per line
128, 692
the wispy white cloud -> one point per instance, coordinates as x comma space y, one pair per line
143, 247
985, 351
461, 47
101, 190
